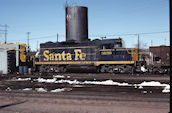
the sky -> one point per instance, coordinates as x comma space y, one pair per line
110, 18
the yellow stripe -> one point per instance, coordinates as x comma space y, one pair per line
96, 63
115, 49
74, 54
71, 47
107, 49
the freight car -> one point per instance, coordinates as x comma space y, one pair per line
105, 55
160, 56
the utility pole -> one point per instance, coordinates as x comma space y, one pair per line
6, 33
151, 43
0, 37
138, 47
103, 37
37, 46
57, 37
28, 33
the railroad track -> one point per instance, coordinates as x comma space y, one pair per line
86, 95
136, 78
13, 84
21, 85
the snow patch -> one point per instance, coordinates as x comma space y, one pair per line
47, 80
69, 81
166, 89
27, 89
140, 87
107, 82
144, 91
8, 89
153, 83
57, 90
41, 90
23, 79
58, 76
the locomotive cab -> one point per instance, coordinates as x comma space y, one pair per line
111, 43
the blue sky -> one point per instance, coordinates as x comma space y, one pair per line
44, 18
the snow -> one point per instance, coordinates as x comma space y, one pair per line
27, 89
166, 89
23, 79
153, 83
143, 69
47, 80
144, 91
58, 76
8, 89
57, 90
41, 90
69, 81
106, 82
140, 87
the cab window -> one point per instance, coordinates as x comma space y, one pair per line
117, 45
106, 46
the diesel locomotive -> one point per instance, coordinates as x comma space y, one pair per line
104, 55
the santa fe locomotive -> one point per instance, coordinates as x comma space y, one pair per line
107, 55
104, 55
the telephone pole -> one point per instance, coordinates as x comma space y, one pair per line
37, 46
5, 31
57, 37
28, 47
138, 47
151, 43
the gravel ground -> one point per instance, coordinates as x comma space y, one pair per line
87, 99
46, 103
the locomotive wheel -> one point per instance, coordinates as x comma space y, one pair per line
57, 69
121, 70
51, 69
63, 69
110, 69
102, 69
41, 69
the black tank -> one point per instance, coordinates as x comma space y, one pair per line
76, 23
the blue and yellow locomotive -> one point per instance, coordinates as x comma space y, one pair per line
106, 55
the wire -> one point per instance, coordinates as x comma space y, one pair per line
134, 34
131, 34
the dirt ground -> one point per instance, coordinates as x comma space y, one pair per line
92, 99
24, 104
